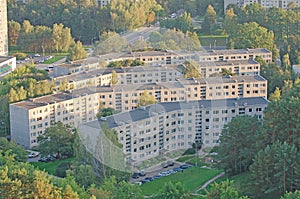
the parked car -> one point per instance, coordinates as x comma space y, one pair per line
170, 163
176, 169
142, 173
164, 165
185, 166
33, 154
48, 158
136, 175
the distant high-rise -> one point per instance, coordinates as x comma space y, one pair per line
3, 29
265, 3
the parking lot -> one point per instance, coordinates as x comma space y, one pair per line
158, 172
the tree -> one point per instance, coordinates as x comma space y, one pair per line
210, 20
57, 140
238, 144
173, 191
274, 170
290, 195
230, 22
275, 95
224, 190
61, 37
114, 77
252, 35
278, 129
20, 153
110, 42
104, 112
146, 99
191, 70
77, 52
13, 96
13, 32
22, 180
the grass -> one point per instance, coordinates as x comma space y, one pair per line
184, 158
197, 161
54, 59
50, 167
213, 40
191, 179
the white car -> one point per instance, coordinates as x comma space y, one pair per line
33, 154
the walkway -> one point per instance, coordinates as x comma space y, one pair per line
209, 182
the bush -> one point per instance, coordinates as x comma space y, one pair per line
20, 56
62, 168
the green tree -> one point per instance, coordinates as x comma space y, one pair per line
13, 32
237, 147
173, 191
283, 130
252, 35
210, 20
275, 95
290, 195
20, 153
77, 52
57, 140
274, 170
224, 190
61, 37
114, 77
230, 22
146, 99
104, 112
191, 69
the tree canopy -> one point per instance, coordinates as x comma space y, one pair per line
57, 140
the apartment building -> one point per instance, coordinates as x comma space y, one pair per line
149, 131
7, 65
125, 75
265, 3
162, 58
3, 29
237, 67
126, 97
30, 118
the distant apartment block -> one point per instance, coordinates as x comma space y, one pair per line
30, 118
103, 2
3, 29
125, 75
148, 132
163, 58
126, 97
7, 65
265, 3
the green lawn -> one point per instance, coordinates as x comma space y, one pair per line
184, 158
54, 59
198, 161
50, 167
213, 40
191, 179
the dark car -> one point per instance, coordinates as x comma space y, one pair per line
176, 169
44, 159
136, 175
165, 165
184, 166
170, 163
149, 178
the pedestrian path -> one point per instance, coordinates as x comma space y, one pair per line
209, 182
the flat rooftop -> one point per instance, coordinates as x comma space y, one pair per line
165, 107
53, 98
3, 58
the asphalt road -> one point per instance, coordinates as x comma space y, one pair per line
140, 33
